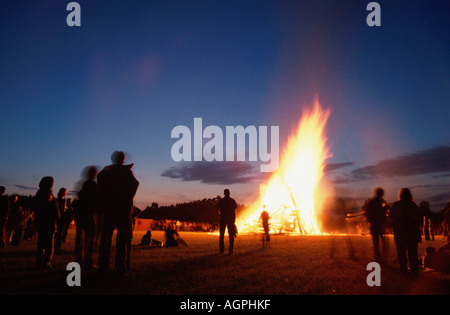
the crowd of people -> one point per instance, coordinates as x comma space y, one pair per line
105, 204
409, 222
226, 209
161, 225
14, 220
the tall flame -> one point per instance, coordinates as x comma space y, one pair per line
290, 195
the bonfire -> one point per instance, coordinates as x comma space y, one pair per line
291, 194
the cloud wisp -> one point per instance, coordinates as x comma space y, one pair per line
431, 161
221, 173
434, 160
334, 166
24, 187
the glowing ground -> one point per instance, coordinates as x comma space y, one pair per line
292, 265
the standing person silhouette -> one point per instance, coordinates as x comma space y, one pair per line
14, 216
117, 187
62, 206
85, 223
406, 215
226, 208
46, 219
425, 213
4, 213
376, 214
446, 221
264, 217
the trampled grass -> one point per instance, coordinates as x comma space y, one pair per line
292, 265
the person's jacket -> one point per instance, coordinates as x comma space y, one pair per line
117, 187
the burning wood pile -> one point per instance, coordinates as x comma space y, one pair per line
291, 195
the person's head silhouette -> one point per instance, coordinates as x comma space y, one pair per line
379, 192
118, 157
46, 183
91, 172
226, 192
405, 195
62, 192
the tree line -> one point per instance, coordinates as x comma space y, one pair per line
204, 210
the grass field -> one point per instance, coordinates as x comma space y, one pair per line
292, 265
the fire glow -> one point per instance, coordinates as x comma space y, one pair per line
290, 195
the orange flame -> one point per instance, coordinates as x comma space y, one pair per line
290, 195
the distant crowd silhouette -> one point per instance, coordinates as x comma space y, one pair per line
105, 203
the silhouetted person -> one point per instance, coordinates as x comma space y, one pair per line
46, 218
438, 260
429, 258
425, 211
21, 226
68, 219
134, 214
18, 221
14, 216
4, 213
98, 220
446, 221
84, 216
62, 222
147, 239
30, 229
376, 213
172, 236
434, 221
406, 215
226, 208
264, 217
117, 188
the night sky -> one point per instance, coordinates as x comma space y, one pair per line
134, 70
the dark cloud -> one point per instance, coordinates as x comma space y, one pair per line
433, 186
25, 187
441, 175
222, 173
439, 200
434, 160
334, 166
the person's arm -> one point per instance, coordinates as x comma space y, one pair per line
392, 211
133, 184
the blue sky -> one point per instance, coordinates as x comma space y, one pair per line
70, 96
